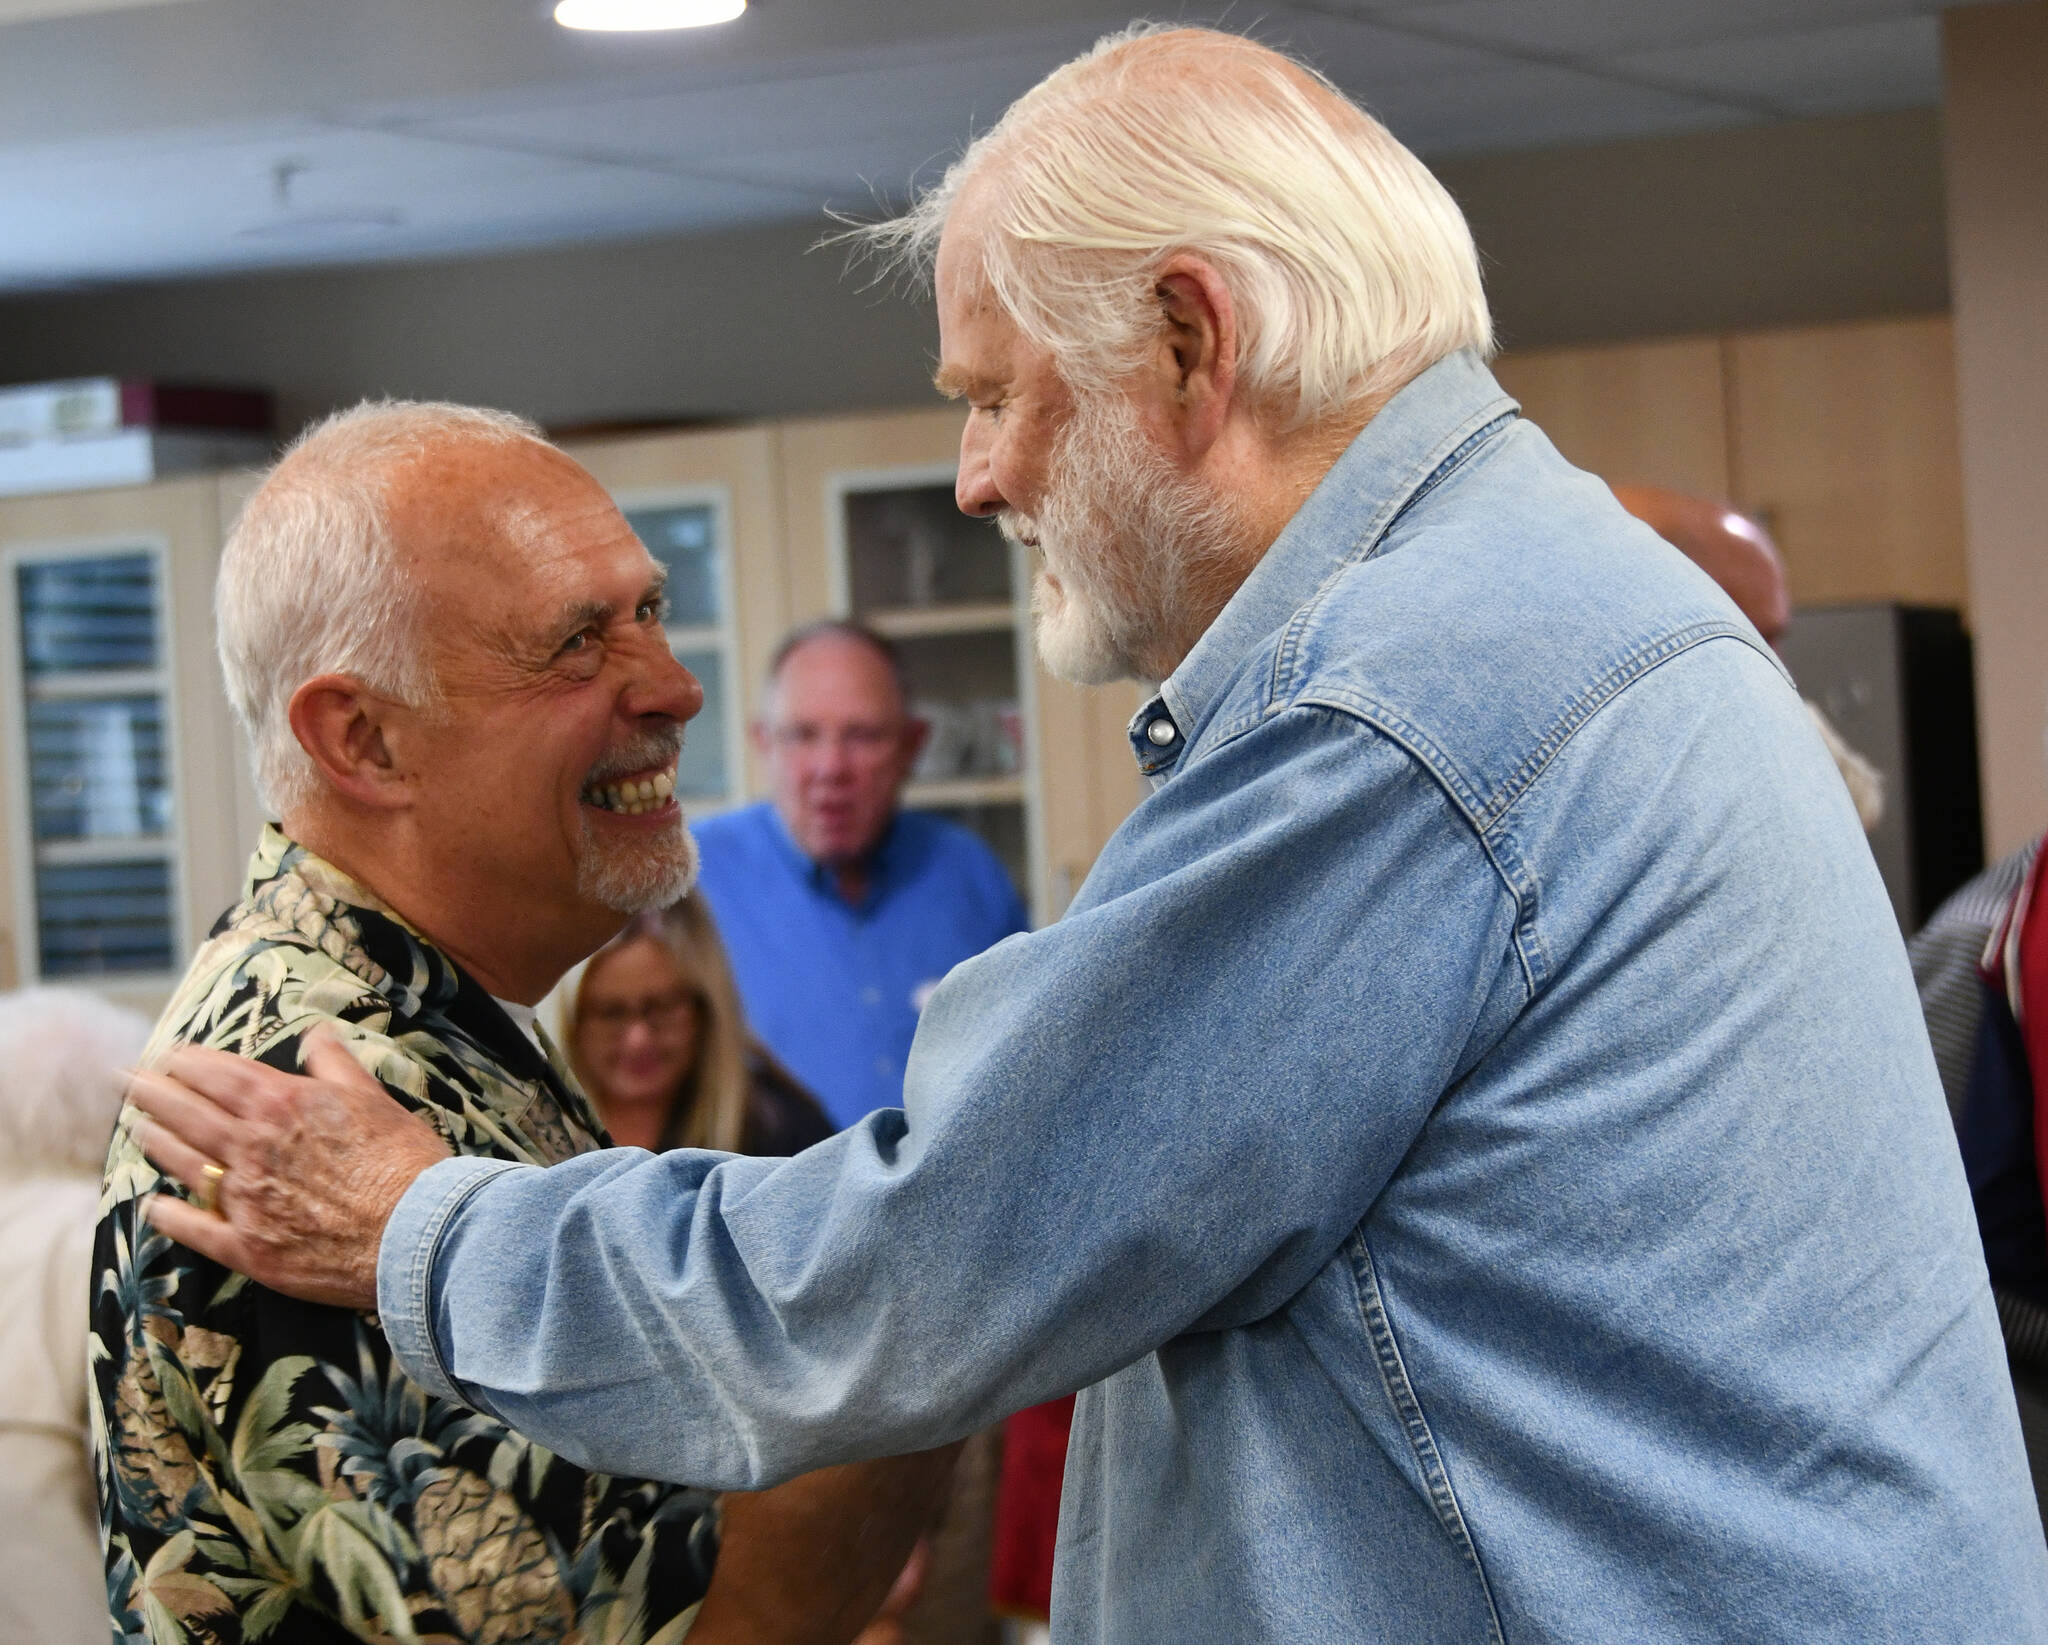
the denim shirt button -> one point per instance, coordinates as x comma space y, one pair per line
1161, 732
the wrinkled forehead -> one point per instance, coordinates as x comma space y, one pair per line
499, 536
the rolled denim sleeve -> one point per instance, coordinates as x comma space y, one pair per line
404, 1295
1161, 1115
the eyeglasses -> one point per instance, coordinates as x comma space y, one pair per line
860, 741
661, 1012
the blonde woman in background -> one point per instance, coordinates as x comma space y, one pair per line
653, 1028
61, 1056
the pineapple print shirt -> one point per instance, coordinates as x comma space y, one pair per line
265, 1470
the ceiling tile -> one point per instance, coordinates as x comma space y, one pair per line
1518, 106
871, 127
1599, 28
143, 139
86, 212
23, 11
1893, 64
1444, 97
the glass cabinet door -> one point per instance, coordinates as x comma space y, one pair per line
944, 587
93, 685
690, 538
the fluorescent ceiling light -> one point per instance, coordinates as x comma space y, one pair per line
635, 16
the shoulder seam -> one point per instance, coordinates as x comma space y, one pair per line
1484, 813
1506, 865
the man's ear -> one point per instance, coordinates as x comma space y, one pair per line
916, 733
341, 725
1197, 360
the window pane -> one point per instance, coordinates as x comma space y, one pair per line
700, 773
88, 614
105, 916
97, 769
685, 539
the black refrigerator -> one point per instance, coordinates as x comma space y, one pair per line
1896, 682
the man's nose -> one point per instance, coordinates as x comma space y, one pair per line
835, 758
975, 490
662, 686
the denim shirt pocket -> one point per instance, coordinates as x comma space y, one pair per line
1434, 1478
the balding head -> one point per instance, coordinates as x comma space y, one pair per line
1729, 547
319, 573
837, 739
1350, 266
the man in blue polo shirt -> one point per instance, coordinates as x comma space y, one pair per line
841, 912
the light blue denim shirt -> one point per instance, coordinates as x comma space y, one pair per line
1472, 1138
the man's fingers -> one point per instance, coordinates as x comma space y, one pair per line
223, 1079
185, 1114
174, 1155
323, 1056
202, 1231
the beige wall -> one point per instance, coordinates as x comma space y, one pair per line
1997, 98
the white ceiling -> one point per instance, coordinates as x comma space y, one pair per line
144, 138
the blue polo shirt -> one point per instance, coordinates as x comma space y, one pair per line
834, 989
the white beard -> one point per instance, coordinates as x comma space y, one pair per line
649, 874
629, 876
1128, 542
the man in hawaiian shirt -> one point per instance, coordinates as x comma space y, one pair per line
446, 646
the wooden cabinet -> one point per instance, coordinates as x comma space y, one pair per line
1840, 438
121, 755
1654, 413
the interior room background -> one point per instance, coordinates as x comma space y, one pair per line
1774, 312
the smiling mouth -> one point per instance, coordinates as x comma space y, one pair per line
636, 794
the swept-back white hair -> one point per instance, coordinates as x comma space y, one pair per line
62, 1053
312, 582
1350, 266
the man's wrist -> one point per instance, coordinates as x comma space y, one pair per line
408, 1255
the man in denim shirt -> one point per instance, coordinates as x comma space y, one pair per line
1472, 1138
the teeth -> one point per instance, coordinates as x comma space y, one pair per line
635, 796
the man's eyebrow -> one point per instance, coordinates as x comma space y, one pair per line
954, 381
577, 615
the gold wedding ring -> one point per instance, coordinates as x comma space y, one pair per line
207, 1195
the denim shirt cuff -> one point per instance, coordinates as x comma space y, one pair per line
406, 1259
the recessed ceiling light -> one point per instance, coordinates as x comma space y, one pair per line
644, 16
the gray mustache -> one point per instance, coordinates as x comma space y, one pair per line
649, 748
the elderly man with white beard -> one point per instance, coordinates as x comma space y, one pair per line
1471, 1138
447, 648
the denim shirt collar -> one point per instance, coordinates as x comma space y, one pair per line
1394, 459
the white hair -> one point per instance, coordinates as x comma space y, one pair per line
1350, 266
63, 1053
312, 581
